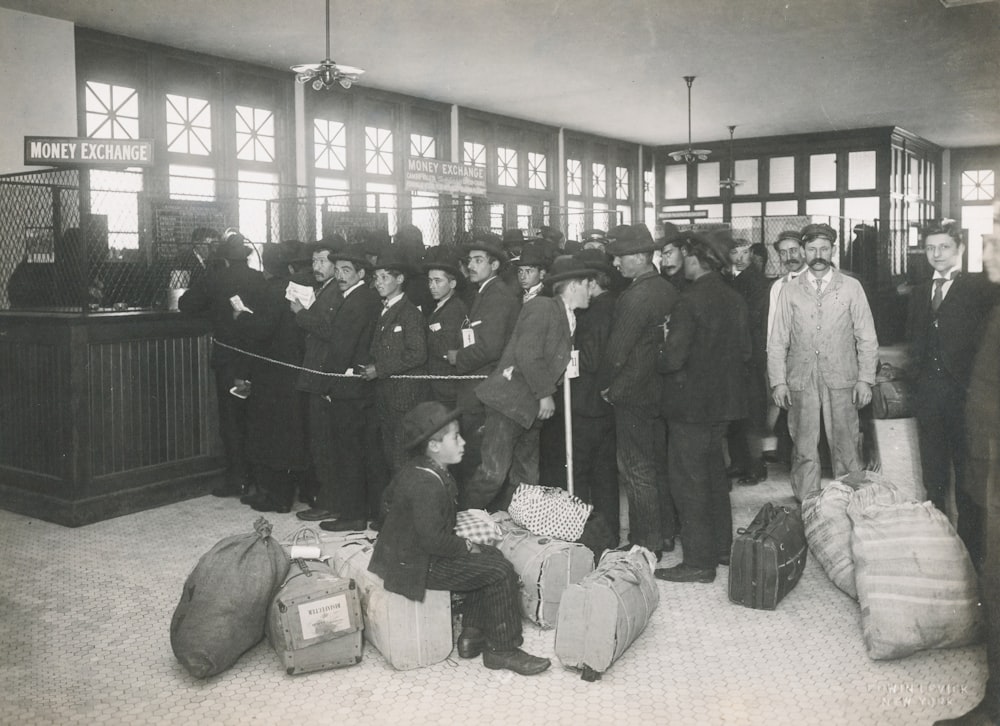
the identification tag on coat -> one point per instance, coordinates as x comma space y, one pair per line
573, 367
468, 337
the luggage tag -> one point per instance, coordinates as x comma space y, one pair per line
468, 334
573, 367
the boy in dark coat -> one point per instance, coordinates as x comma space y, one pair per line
417, 548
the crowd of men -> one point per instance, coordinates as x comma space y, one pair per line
687, 365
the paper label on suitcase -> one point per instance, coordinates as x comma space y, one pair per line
323, 618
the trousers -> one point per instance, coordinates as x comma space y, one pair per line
595, 466
232, 427
642, 473
362, 474
509, 451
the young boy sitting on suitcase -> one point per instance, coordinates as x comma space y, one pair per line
417, 548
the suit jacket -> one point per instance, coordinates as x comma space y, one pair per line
444, 333
832, 335
317, 321
532, 363
982, 415
753, 287
491, 318
352, 327
704, 355
593, 330
628, 370
418, 526
959, 322
399, 345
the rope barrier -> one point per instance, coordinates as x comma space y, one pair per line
423, 376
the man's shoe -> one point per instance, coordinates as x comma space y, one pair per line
724, 560
771, 456
685, 573
314, 515
471, 643
344, 525
734, 472
265, 504
748, 481
515, 660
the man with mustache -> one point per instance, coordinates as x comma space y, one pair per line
821, 359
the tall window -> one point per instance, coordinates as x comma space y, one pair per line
381, 198
254, 134
599, 178
537, 177
621, 182
574, 177
255, 189
191, 182
422, 146
425, 215
378, 151
474, 154
524, 214
506, 167
329, 145
496, 218
332, 195
189, 125
978, 185
112, 112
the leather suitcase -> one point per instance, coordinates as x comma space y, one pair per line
767, 558
314, 622
892, 399
546, 567
603, 614
408, 634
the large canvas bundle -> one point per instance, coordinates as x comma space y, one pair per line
603, 614
408, 634
224, 604
828, 532
916, 584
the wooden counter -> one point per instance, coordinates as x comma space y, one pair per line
104, 414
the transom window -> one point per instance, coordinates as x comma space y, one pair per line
574, 177
378, 150
254, 134
189, 125
978, 185
112, 111
537, 174
621, 182
474, 153
506, 167
329, 144
422, 146
599, 180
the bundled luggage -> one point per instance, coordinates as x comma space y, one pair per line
224, 604
601, 615
546, 567
767, 558
407, 633
315, 620
828, 533
549, 512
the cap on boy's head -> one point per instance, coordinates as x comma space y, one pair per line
424, 420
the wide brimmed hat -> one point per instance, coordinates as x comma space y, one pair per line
330, 243
354, 254
424, 420
567, 267
271, 260
533, 254
489, 243
630, 239
596, 260
293, 251
670, 233
441, 258
512, 238
393, 258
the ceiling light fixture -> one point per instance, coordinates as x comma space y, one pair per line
689, 155
731, 182
324, 75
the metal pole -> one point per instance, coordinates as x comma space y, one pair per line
568, 425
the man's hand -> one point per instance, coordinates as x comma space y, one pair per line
369, 373
453, 357
861, 396
546, 408
781, 396
295, 305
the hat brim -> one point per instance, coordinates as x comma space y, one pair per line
619, 249
426, 267
489, 249
358, 258
436, 426
584, 274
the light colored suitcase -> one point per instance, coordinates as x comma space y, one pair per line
546, 567
408, 634
603, 614
314, 622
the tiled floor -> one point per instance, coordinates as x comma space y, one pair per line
84, 618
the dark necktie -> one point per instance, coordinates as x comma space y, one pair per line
938, 293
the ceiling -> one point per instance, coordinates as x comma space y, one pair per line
614, 68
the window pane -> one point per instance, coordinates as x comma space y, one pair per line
191, 182
621, 182
331, 194
782, 209
537, 171
746, 209
823, 173
112, 112
601, 220
675, 181
575, 220
506, 167
599, 181
189, 125
861, 209
978, 185
422, 146
861, 170
714, 213
746, 172
823, 208
574, 177
254, 134
115, 194
782, 173
329, 145
382, 198
496, 218
624, 214
978, 219
474, 154
524, 213
255, 189
648, 180
425, 216
708, 179
378, 150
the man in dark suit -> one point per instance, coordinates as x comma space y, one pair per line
946, 319
671, 260
703, 357
317, 321
213, 294
362, 472
519, 393
630, 383
445, 315
399, 347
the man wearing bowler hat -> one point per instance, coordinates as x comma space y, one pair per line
445, 315
630, 383
518, 395
531, 266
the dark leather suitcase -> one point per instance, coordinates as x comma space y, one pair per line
767, 558
892, 399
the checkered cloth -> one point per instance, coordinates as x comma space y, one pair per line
477, 526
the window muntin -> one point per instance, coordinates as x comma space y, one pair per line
506, 167
621, 182
423, 146
329, 144
254, 134
189, 125
978, 185
378, 151
574, 177
537, 171
474, 153
112, 112
599, 180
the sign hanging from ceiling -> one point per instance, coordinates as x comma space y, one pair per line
445, 177
684, 214
63, 150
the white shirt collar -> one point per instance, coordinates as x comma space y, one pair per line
354, 287
825, 278
947, 275
442, 301
482, 285
389, 302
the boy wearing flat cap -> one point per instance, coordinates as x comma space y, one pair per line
418, 549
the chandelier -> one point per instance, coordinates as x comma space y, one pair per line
326, 74
731, 182
689, 155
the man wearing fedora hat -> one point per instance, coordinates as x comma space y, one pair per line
531, 266
214, 294
671, 259
417, 549
399, 347
630, 383
518, 394
445, 315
